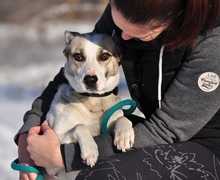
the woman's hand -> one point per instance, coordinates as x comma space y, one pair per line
24, 158
44, 149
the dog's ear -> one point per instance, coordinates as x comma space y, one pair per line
68, 37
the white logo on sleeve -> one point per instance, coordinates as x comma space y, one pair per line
208, 81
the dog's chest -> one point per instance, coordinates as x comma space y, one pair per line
96, 107
69, 109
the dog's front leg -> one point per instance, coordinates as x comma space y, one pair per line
124, 134
88, 147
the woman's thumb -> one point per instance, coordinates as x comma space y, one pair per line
35, 130
45, 126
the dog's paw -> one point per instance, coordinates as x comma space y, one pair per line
88, 146
124, 134
89, 152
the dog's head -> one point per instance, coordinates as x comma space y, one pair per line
92, 62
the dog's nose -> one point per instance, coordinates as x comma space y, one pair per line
90, 81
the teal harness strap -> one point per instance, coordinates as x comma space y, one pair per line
113, 109
16, 166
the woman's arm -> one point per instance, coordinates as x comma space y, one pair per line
186, 106
41, 105
33, 118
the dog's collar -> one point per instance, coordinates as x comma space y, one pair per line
96, 94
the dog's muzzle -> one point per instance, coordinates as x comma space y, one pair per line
90, 81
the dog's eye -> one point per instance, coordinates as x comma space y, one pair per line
104, 56
78, 57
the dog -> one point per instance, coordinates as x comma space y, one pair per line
78, 107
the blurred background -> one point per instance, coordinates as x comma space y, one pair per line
31, 45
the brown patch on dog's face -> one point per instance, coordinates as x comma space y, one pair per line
110, 63
108, 56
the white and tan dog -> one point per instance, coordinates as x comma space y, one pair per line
77, 109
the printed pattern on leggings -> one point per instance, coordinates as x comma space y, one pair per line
176, 163
159, 162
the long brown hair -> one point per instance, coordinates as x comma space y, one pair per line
187, 18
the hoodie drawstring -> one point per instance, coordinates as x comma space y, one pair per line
160, 76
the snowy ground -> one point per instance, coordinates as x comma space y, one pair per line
30, 56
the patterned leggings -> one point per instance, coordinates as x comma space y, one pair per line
181, 161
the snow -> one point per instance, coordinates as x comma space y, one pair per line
30, 57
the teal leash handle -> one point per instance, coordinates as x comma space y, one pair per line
113, 109
18, 167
